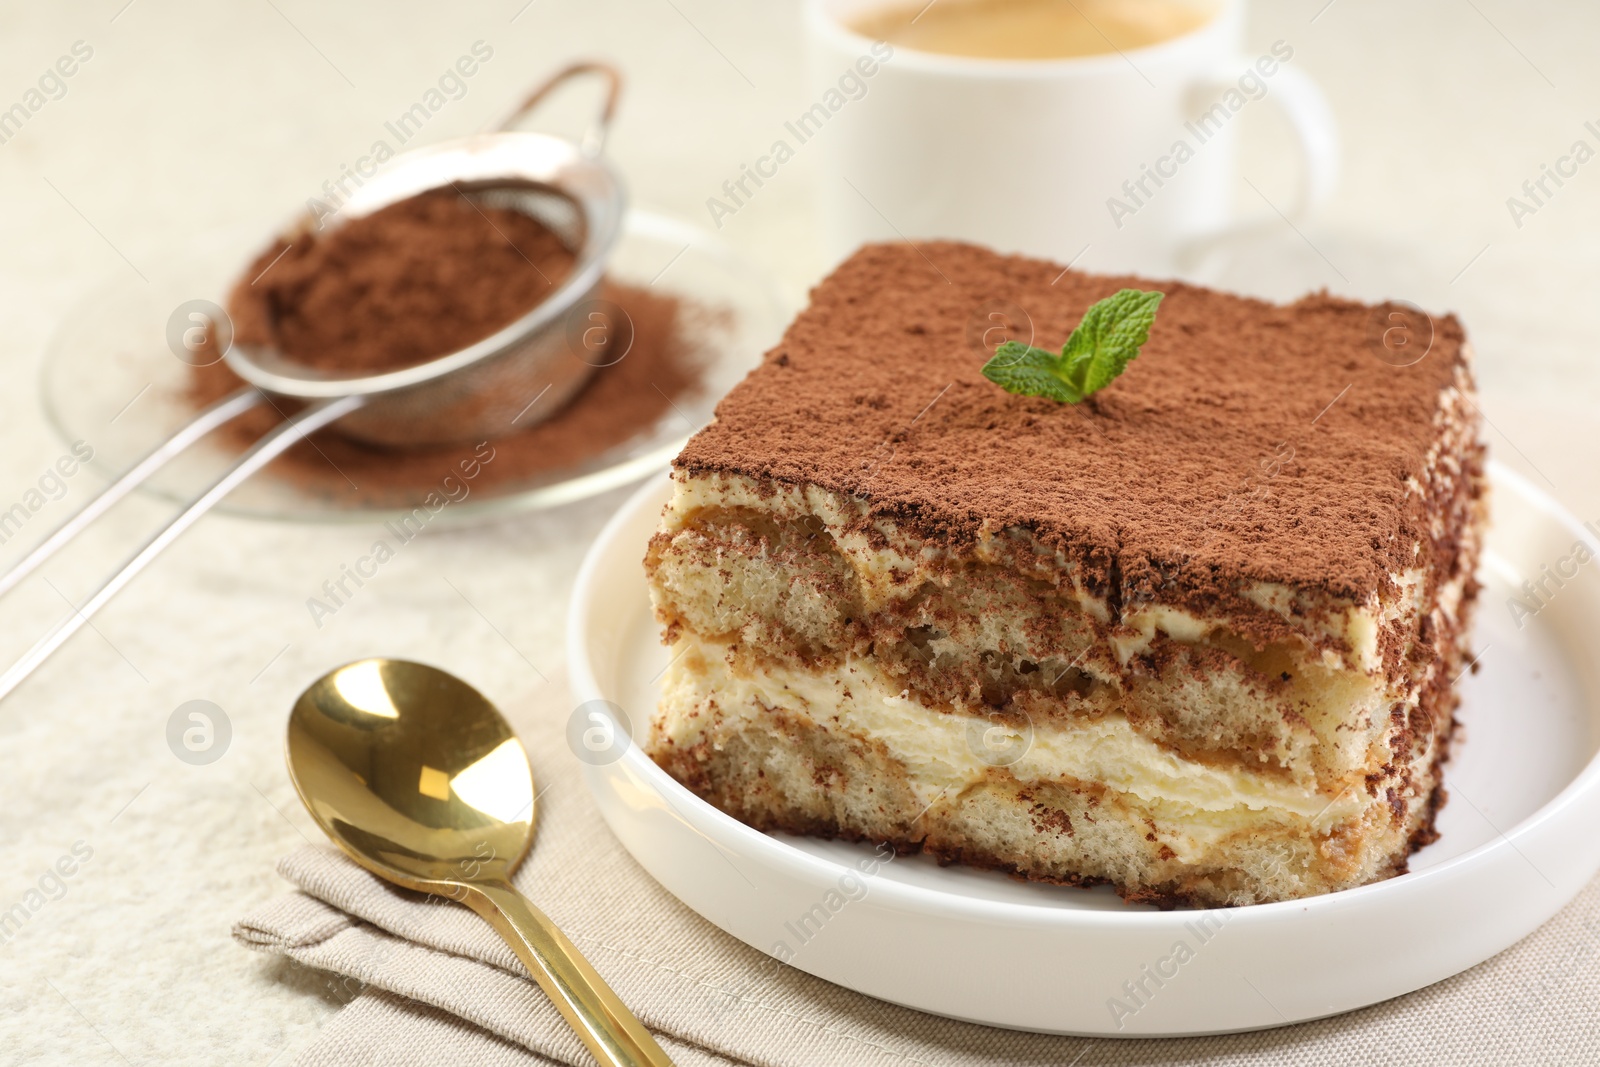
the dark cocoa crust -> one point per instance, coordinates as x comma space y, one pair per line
1160, 481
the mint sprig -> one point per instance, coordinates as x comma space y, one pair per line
1100, 348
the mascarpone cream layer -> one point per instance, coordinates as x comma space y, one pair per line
943, 753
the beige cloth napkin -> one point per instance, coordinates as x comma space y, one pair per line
434, 985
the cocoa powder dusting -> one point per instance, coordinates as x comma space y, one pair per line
416, 280
1247, 441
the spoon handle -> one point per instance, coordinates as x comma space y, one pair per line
601, 1020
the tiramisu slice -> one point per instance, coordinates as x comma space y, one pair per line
1194, 636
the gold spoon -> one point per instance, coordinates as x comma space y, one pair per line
418, 778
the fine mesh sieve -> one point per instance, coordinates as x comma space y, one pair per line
485, 390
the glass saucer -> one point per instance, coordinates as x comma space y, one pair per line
111, 379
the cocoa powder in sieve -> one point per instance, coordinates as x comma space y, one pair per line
420, 279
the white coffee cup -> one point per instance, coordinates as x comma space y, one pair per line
1077, 159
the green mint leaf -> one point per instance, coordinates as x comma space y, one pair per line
1109, 337
1028, 371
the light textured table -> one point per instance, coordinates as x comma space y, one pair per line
194, 117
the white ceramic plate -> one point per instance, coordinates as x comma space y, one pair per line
1517, 842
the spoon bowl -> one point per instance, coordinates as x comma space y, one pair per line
420, 799
415, 775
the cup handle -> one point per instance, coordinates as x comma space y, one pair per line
1317, 134
1317, 138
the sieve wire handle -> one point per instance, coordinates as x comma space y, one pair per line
594, 138
263, 452
223, 411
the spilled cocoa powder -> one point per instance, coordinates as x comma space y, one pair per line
417, 280
619, 402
